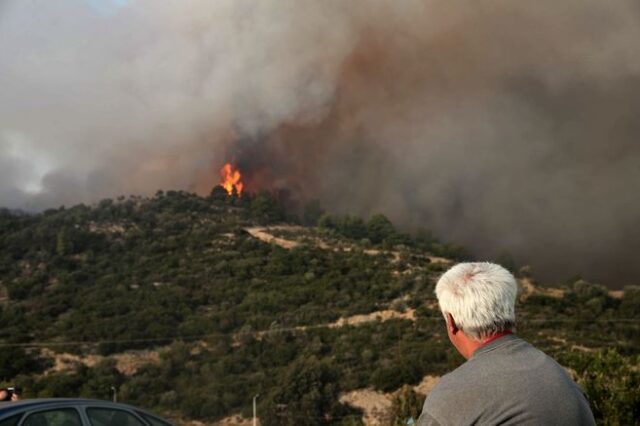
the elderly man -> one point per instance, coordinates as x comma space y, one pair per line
505, 380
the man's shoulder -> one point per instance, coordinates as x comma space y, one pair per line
508, 376
443, 402
447, 392
451, 380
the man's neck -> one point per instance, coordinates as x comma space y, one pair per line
496, 336
470, 346
484, 342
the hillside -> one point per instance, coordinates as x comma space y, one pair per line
192, 305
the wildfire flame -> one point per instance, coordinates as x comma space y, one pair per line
230, 178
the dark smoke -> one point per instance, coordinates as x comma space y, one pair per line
504, 126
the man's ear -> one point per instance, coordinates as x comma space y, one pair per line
451, 324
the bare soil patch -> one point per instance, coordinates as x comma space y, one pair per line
427, 384
127, 363
616, 294
376, 406
102, 228
235, 420
385, 315
528, 288
263, 234
437, 259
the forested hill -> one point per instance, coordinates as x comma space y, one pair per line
192, 305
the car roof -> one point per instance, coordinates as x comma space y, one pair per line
29, 404
23, 403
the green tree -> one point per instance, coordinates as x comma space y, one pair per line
312, 213
219, 194
307, 395
352, 227
630, 305
99, 380
265, 209
326, 221
61, 243
379, 228
15, 360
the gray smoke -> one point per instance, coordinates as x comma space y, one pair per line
503, 126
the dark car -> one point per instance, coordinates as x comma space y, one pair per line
75, 412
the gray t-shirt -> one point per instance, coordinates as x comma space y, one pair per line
507, 382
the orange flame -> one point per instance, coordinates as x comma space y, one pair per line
230, 178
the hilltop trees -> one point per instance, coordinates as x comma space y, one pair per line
219, 194
377, 230
266, 209
348, 226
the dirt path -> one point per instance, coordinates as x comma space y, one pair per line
262, 234
382, 316
355, 320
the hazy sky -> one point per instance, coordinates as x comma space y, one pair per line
501, 125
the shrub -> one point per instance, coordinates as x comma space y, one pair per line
612, 384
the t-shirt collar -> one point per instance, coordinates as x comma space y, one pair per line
494, 342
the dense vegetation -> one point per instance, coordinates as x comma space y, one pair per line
232, 316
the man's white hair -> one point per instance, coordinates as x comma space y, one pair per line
480, 296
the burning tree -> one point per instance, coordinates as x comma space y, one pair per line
231, 179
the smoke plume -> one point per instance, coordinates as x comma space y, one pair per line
503, 126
